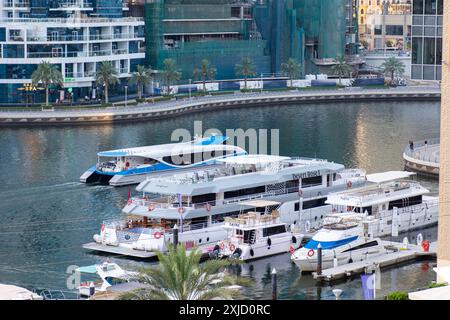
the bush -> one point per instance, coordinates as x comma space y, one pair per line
436, 285
397, 295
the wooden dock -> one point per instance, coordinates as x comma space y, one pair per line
119, 250
398, 255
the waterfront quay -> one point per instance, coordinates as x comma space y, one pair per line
423, 157
167, 109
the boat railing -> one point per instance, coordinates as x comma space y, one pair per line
253, 219
419, 151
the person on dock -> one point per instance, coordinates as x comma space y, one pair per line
411, 145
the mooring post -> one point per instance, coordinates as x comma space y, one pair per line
175, 237
91, 289
319, 260
274, 284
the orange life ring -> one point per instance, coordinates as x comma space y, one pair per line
291, 249
232, 247
157, 235
349, 184
310, 252
151, 207
180, 210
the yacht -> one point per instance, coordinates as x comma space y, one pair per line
199, 201
343, 240
395, 203
132, 165
256, 234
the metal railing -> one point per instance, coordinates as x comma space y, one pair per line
92, 37
421, 150
76, 54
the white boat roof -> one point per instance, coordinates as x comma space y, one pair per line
381, 177
223, 180
157, 151
443, 272
438, 293
376, 194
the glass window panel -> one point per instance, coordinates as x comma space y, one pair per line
417, 20
430, 21
438, 50
428, 72
430, 6
429, 51
418, 6
439, 31
430, 31
438, 73
440, 7
417, 31
417, 45
416, 72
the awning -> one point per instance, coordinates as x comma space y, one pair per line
87, 269
259, 203
388, 176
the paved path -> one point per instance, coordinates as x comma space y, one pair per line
172, 108
423, 158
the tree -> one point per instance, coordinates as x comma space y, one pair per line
170, 73
106, 75
341, 67
392, 66
245, 69
141, 77
291, 68
180, 276
47, 74
205, 72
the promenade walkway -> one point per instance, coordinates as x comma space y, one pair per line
423, 157
165, 109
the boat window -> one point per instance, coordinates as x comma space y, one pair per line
362, 246
292, 184
310, 182
314, 203
208, 197
113, 281
150, 161
400, 203
364, 209
267, 232
244, 192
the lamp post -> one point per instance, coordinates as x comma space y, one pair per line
126, 95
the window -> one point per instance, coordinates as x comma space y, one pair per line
378, 29
400, 203
315, 203
430, 7
244, 192
417, 47
429, 50
362, 246
267, 232
418, 6
313, 181
394, 30
208, 197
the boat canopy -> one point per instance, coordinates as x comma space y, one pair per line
87, 269
387, 176
156, 151
253, 159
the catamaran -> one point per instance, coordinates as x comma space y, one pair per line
343, 239
256, 234
199, 201
132, 165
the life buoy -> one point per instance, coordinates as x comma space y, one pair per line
349, 184
208, 207
103, 227
232, 247
151, 207
291, 249
180, 210
310, 252
157, 235
426, 245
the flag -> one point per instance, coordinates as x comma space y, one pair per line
129, 195
368, 286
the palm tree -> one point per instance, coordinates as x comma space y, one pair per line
341, 68
180, 276
245, 69
291, 68
106, 75
170, 73
205, 72
141, 77
47, 74
393, 66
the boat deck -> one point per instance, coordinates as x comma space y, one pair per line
413, 252
119, 250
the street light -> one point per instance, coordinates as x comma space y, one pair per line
126, 91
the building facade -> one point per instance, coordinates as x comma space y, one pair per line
426, 60
384, 25
75, 36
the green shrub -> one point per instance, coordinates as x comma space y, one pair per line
436, 285
397, 295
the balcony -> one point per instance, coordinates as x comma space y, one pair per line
68, 38
72, 5
16, 4
76, 54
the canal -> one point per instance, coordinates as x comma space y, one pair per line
47, 214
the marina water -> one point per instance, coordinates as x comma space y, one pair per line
47, 214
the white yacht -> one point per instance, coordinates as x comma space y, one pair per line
343, 238
393, 202
132, 165
200, 200
256, 234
